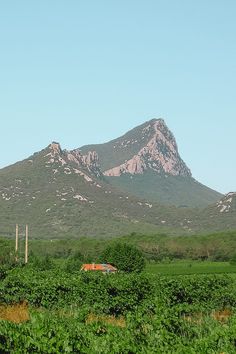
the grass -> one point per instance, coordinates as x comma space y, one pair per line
190, 267
112, 320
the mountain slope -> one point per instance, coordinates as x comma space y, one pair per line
63, 193
167, 190
145, 161
220, 216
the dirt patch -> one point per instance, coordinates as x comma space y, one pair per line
16, 313
199, 317
222, 316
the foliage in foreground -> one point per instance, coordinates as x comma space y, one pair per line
164, 332
160, 314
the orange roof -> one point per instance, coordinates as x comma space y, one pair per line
102, 267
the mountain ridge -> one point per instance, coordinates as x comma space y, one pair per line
65, 192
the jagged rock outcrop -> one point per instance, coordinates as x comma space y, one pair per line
55, 149
159, 154
88, 161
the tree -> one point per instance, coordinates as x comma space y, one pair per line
43, 263
74, 263
124, 257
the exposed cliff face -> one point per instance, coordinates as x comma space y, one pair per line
89, 160
160, 154
73, 161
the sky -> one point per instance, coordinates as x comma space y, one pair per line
87, 71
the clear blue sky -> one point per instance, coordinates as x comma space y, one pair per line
86, 71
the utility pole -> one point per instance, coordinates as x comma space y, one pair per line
17, 236
26, 243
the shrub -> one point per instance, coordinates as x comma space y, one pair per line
74, 263
125, 257
42, 263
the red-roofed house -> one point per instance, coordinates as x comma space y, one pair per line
105, 268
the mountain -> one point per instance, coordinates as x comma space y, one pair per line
145, 162
62, 193
59, 192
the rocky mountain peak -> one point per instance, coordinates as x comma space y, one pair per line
158, 153
55, 148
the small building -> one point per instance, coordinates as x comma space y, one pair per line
104, 267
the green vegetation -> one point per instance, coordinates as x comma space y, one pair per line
74, 262
124, 257
187, 267
118, 313
176, 305
156, 248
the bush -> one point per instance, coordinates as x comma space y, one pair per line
42, 263
74, 263
125, 257
233, 260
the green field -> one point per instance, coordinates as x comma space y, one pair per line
190, 267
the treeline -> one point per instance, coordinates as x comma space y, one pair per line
214, 247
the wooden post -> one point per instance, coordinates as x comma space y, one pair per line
16, 247
26, 243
